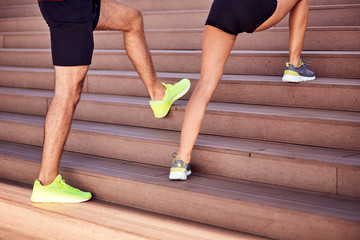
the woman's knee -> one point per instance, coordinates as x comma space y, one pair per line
204, 91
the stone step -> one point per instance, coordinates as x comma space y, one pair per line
19, 10
337, 64
250, 207
25, 8
325, 170
331, 2
106, 220
321, 15
174, 4
331, 15
325, 128
324, 93
29, 9
9, 232
342, 39
15, 2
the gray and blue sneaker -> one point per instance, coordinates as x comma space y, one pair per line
297, 74
179, 169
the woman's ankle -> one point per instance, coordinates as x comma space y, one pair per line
184, 157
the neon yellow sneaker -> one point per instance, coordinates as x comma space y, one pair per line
172, 93
58, 191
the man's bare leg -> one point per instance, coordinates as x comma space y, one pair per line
116, 15
68, 87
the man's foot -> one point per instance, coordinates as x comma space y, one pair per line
172, 93
58, 191
179, 169
297, 74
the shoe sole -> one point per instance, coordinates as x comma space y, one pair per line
61, 201
179, 175
38, 199
295, 79
164, 113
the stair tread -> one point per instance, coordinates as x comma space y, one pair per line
334, 6
233, 52
311, 2
281, 197
218, 107
128, 220
311, 7
262, 204
346, 82
257, 62
8, 232
254, 147
275, 28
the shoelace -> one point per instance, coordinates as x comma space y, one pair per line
305, 62
64, 185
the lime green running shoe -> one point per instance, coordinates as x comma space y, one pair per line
172, 93
58, 191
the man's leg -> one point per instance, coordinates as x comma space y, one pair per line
68, 87
115, 15
123, 17
50, 187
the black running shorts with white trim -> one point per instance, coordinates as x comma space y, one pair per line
237, 16
71, 24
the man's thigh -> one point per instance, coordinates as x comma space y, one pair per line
117, 15
71, 29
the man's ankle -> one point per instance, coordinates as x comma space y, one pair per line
159, 93
46, 180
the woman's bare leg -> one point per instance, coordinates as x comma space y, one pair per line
298, 21
216, 49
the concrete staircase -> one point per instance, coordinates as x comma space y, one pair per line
273, 160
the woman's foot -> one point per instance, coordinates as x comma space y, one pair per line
297, 74
179, 169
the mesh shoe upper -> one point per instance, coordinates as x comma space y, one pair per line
58, 191
172, 93
297, 74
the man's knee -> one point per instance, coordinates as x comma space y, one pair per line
69, 94
135, 18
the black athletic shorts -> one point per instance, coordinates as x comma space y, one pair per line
71, 24
237, 16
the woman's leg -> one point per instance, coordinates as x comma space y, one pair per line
215, 52
298, 21
216, 49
